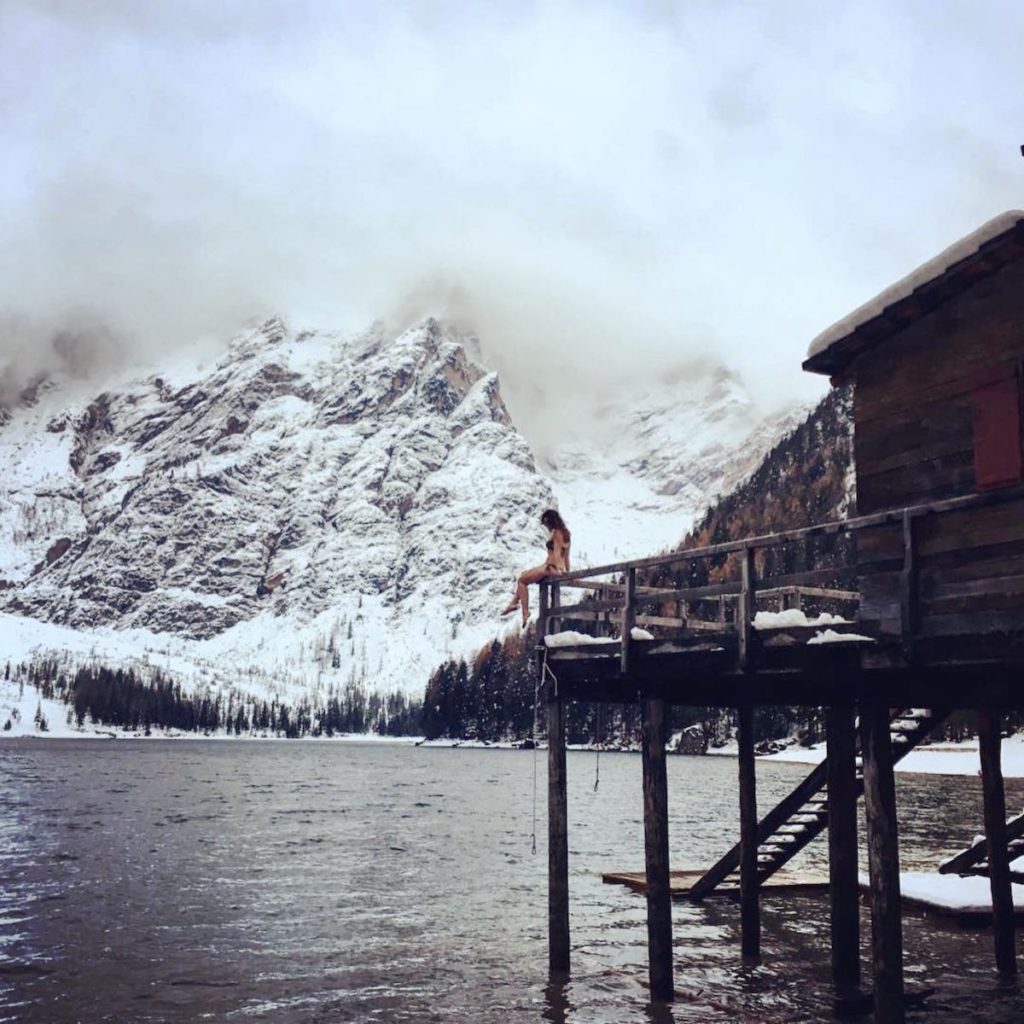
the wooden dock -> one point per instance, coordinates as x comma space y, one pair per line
681, 882
930, 571
972, 914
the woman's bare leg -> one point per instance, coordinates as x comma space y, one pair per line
521, 598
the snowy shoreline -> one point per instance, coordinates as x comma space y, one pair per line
22, 705
942, 758
938, 759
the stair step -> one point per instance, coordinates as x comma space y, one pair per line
808, 818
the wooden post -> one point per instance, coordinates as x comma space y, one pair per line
1003, 925
542, 612
659, 896
628, 618
840, 735
556, 602
909, 603
883, 864
558, 839
745, 610
750, 911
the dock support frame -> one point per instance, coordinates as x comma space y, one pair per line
994, 798
841, 747
659, 895
883, 864
558, 840
750, 908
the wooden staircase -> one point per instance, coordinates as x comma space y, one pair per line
803, 815
974, 860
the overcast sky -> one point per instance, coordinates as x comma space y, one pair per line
594, 186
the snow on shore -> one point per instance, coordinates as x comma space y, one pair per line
969, 895
944, 758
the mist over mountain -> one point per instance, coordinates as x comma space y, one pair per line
322, 508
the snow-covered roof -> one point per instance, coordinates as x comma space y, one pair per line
905, 287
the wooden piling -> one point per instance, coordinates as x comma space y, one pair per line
659, 897
558, 839
1003, 925
750, 910
840, 735
883, 864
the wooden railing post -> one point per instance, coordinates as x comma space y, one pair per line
745, 609
542, 612
556, 602
628, 618
1003, 924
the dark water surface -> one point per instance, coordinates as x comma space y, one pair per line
322, 882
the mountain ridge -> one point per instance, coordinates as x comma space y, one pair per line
315, 509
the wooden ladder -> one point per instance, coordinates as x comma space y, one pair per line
803, 815
974, 860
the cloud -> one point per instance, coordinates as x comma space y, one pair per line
603, 190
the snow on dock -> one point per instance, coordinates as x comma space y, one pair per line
967, 900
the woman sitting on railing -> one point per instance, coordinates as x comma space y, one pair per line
557, 561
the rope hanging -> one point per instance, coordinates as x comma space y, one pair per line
536, 744
544, 671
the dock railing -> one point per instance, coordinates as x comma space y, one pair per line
613, 595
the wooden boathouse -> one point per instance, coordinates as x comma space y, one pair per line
933, 561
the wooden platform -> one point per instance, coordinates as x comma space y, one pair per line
706, 672
681, 882
974, 914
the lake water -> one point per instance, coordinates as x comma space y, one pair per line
181, 881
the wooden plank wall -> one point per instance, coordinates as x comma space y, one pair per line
914, 442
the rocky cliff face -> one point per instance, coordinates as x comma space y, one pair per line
334, 506
320, 509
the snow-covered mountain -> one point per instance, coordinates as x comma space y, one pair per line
316, 508
323, 509
655, 458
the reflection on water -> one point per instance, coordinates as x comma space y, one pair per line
316, 882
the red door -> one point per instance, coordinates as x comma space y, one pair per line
997, 435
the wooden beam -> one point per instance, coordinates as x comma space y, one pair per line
659, 894
558, 841
883, 864
840, 736
745, 612
628, 619
750, 910
1003, 924
909, 590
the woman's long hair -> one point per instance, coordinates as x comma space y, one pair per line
553, 521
